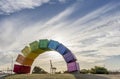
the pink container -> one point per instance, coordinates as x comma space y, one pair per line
78, 67
73, 66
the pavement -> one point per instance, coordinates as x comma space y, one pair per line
2, 76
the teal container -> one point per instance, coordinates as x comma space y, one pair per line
43, 44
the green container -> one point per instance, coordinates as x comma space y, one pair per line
43, 44
34, 45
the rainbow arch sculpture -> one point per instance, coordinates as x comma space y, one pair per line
29, 53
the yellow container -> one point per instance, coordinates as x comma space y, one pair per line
32, 55
28, 62
38, 51
34, 45
26, 51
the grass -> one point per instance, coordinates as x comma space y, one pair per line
62, 76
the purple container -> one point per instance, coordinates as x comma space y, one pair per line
61, 49
73, 66
69, 57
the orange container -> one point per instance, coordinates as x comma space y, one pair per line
20, 59
24, 61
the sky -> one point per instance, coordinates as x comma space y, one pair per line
89, 28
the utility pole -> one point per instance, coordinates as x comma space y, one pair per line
11, 58
51, 71
11, 64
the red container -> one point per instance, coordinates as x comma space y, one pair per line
25, 69
16, 68
20, 69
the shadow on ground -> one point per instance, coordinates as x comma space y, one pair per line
62, 76
88, 76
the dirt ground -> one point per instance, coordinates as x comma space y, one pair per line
63, 76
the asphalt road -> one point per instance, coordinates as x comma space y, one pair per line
2, 76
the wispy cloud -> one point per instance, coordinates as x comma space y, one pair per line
10, 6
92, 38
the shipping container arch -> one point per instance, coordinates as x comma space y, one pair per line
38, 47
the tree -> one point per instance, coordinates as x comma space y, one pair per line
84, 71
66, 72
38, 70
58, 72
99, 70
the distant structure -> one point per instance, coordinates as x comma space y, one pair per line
52, 69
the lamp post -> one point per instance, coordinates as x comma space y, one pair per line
11, 62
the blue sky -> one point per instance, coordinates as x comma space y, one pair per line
89, 28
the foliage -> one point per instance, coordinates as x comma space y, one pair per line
58, 72
95, 70
38, 70
84, 71
66, 72
99, 70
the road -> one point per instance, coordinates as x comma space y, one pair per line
2, 76
63, 76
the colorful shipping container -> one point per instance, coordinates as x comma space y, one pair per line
73, 66
53, 44
36, 48
20, 69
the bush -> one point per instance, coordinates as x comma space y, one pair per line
84, 71
38, 70
99, 70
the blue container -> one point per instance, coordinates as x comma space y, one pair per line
61, 49
53, 44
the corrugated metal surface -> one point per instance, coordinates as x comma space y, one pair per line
53, 44
69, 57
24, 61
36, 48
26, 51
43, 44
72, 66
32, 55
61, 49
34, 45
20, 69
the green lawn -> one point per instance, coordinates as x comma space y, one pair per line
62, 76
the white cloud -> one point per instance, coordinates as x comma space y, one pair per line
10, 6
97, 34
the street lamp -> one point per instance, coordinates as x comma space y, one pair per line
11, 62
